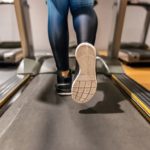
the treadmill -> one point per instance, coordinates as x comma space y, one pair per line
42, 120
10, 51
132, 53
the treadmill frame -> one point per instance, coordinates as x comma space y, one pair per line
135, 56
31, 67
12, 55
137, 100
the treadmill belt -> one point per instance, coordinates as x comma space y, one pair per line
42, 120
142, 54
10, 45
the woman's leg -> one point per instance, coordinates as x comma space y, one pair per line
85, 25
84, 20
58, 32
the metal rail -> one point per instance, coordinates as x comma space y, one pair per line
10, 87
140, 97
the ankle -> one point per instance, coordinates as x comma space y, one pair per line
64, 73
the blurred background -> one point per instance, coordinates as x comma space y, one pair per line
38, 10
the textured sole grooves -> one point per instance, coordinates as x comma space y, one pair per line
83, 94
85, 84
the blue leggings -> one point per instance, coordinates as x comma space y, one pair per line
84, 21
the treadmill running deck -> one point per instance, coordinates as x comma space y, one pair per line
42, 120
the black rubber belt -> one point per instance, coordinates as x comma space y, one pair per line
140, 96
135, 88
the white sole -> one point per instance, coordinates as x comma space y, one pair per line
64, 94
85, 85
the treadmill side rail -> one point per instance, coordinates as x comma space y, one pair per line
140, 97
29, 66
108, 66
10, 87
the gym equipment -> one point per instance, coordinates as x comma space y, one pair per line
137, 52
40, 119
10, 51
43, 120
108, 65
10, 87
138, 94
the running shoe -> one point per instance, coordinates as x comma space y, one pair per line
63, 86
85, 83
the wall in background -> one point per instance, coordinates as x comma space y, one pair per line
132, 30
8, 25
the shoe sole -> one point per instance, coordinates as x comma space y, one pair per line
64, 94
85, 84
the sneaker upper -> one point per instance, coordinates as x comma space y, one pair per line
63, 86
